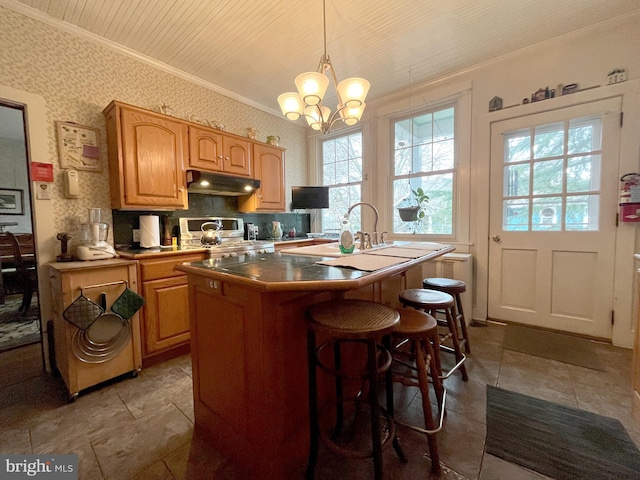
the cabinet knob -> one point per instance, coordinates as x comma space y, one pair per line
226, 158
220, 157
213, 284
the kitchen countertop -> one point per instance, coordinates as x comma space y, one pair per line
141, 253
271, 272
136, 253
80, 264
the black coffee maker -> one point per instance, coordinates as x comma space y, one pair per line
249, 231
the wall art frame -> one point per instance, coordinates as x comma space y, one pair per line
11, 201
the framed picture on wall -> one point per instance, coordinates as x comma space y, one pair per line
11, 201
78, 147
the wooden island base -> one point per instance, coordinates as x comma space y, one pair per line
250, 374
249, 351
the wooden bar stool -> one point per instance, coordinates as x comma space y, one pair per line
432, 301
417, 341
454, 288
352, 322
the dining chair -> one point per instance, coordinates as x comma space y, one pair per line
25, 265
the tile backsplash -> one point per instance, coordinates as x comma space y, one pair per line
124, 222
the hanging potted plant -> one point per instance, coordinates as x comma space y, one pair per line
415, 213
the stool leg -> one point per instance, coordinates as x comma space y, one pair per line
435, 343
423, 382
376, 437
433, 370
337, 356
313, 406
386, 341
456, 344
463, 323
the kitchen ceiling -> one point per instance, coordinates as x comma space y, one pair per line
254, 49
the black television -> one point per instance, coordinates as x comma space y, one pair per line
309, 197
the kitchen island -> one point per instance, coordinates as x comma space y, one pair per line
248, 347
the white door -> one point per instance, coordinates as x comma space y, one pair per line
553, 208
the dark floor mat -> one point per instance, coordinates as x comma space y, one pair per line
555, 346
558, 441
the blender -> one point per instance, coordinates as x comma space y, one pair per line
94, 238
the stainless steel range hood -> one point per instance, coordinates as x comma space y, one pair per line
216, 184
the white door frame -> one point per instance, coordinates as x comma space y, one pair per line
626, 240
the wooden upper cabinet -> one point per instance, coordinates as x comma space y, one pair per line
269, 169
205, 150
147, 154
212, 151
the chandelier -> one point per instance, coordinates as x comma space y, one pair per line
312, 86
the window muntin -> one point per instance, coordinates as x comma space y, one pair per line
342, 173
552, 176
424, 155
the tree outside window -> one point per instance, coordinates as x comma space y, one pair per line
424, 155
342, 173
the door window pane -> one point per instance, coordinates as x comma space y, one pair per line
548, 140
546, 214
518, 146
516, 180
582, 212
547, 177
583, 136
515, 215
564, 191
580, 173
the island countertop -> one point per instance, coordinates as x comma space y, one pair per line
278, 272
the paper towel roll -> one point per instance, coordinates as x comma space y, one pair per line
149, 231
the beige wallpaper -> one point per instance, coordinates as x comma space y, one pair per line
78, 79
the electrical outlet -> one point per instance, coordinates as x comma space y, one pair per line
136, 235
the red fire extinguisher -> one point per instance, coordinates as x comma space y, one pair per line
630, 197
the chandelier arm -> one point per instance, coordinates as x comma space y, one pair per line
335, 80
335, 116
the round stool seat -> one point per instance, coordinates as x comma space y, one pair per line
421, 298
353, 318
414, 323
445, 284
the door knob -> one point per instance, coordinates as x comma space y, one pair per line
496, 238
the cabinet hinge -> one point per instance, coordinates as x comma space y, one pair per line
613, 317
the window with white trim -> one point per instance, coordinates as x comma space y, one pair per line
342, 173
424, 156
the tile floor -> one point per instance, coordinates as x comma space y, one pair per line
142, 428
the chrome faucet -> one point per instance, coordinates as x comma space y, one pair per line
375, 220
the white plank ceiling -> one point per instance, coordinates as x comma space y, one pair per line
255, 48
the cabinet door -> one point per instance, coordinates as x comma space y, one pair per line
205, 150
154, 149
166, 314
237, 156
269, 169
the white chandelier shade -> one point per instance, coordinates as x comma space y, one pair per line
312, 86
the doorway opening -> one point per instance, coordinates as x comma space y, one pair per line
20, 323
